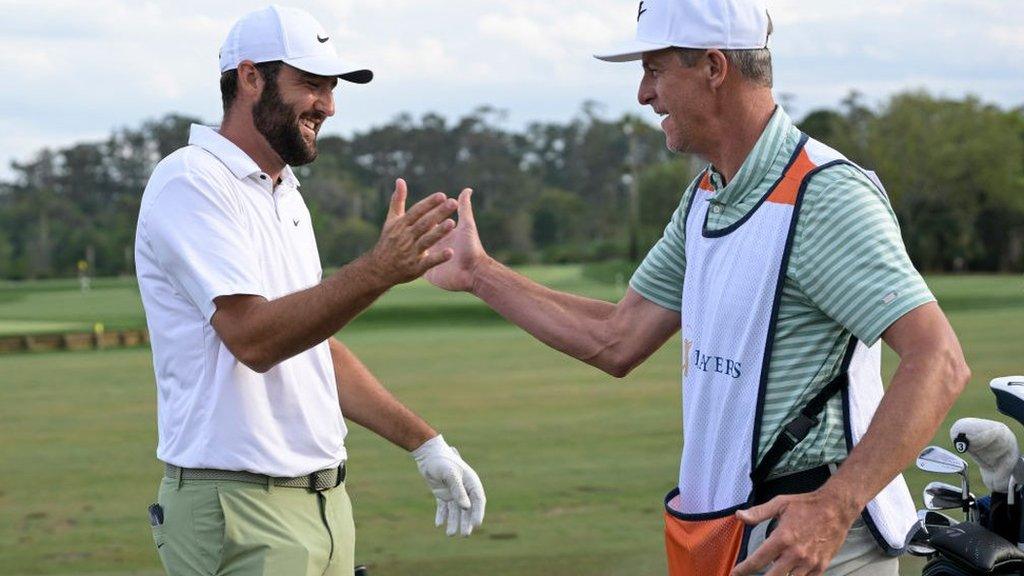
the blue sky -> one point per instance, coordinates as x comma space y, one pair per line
76, 70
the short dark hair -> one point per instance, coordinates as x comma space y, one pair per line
754, 65
229, 81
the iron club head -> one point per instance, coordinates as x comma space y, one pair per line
943, 496
941, 461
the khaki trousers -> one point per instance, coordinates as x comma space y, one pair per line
229, 528
860, 554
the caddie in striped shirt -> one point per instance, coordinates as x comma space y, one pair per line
784, 268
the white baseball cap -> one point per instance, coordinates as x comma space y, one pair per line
722, 24
290, 35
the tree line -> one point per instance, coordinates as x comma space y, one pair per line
589, 189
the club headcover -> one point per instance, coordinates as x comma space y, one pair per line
992, 445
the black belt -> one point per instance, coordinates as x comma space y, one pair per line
317, 481
795, 483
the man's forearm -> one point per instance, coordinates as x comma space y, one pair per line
261, 333
571, 324
923, 389
366, 402
278, 329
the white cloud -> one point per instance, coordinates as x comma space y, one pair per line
82, 69
1008, 37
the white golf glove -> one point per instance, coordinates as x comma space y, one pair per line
459, 493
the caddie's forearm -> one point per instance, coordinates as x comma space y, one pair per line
278, 329
571, 324
922, 391
365, 401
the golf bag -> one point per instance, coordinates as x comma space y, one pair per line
990, 540
969, 549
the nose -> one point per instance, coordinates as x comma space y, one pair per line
646, 94
325, 103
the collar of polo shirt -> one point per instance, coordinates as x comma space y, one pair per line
240, 164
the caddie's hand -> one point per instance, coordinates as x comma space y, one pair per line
457, 273
460, 495
811, 528
407, 245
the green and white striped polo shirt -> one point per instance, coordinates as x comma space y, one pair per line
848, 273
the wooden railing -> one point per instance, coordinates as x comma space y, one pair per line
74, 341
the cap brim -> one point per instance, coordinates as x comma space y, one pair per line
357, 76
630, 51
327, 66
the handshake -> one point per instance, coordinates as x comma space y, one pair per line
425, 240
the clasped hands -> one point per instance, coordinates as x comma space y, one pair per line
426, 240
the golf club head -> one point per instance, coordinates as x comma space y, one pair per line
933, 518
933, 502
930, 521
1009, 391
941, 461
992, 446
947, 492
918, 543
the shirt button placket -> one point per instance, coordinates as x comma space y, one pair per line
273, 196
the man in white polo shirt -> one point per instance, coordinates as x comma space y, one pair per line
251, 382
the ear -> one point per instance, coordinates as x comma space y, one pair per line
717, 67
250, 81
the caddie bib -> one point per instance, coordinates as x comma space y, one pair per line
731, 292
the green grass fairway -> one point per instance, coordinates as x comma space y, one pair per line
22, 327
575, 463
60, 306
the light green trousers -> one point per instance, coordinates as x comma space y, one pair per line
860, 554
215, 528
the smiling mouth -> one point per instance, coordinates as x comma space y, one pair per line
312, 126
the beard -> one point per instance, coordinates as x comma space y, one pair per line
279, 124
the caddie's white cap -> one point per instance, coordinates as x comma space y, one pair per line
722, 24
290, 35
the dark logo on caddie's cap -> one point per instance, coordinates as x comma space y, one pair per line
640, 11
322, 40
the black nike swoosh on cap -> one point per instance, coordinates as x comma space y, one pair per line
322, 40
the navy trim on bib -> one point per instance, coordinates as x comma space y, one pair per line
732, 227
701, 516
780, 285
689, 201
848, 437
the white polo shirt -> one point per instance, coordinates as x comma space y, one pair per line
212, 224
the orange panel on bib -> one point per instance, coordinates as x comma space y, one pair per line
702, 547
789, 186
